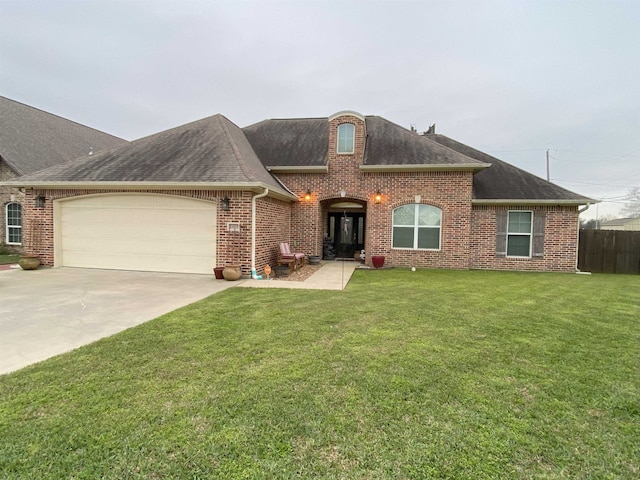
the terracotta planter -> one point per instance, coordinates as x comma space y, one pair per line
29, 262
377, 260
232, 272
218, 273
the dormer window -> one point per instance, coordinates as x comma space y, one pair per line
346, 137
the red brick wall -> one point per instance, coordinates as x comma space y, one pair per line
272, 227
560, 240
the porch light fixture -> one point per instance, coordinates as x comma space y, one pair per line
224, 203
307, 196
40, 201
378, 197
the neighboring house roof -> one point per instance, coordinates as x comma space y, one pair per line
619, 222
32, 139
209, 152
503, 181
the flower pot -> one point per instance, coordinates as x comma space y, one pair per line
232, 272
377, 260
29, 262
281, 270
314, 259
218, 273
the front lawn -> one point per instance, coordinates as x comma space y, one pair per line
432, 374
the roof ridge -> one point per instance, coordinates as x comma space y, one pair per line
234, 147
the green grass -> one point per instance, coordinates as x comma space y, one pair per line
6, 259
432, 374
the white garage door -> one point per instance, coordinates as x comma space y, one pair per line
158, 233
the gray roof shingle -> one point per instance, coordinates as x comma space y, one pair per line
391, 144
503, 181
290, 142
32, 139
211, 150
304, 143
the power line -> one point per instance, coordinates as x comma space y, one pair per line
594, 184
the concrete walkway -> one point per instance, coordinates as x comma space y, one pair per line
332, 276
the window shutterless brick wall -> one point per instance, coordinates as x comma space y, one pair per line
560, 240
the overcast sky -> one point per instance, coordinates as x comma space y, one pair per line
510, 78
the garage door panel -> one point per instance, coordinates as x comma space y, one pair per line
138, 232
150, 232
141, 246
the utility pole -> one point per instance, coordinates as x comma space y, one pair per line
548, 165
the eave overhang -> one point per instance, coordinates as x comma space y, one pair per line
459, 167
533, 201
298, 169
255, 187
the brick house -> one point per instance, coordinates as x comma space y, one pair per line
209, 193
33, 140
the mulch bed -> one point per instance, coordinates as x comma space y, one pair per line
301, 274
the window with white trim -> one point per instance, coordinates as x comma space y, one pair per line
417, 226
14, 223
519, 233
346, 137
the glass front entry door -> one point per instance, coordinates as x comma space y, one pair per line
347, 232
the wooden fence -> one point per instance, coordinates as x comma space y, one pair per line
609, 251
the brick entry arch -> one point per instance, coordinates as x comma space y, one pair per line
345, 225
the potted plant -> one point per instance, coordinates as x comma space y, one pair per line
377, 260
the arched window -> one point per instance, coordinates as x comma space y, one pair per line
346, 138
417, 227
14, 223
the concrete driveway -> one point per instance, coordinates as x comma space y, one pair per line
51, 311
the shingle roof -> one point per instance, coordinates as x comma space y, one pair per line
304, 142
31, 139
211, 150
503, 181
391, 144
290, 142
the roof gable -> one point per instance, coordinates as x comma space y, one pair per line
32, 139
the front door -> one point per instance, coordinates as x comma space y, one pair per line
347, 232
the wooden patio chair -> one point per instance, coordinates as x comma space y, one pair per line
287, 257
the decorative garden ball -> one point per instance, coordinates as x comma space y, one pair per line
413, 269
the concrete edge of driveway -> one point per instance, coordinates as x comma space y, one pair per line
47, 312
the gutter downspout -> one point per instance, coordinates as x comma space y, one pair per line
580, 210
253, 230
